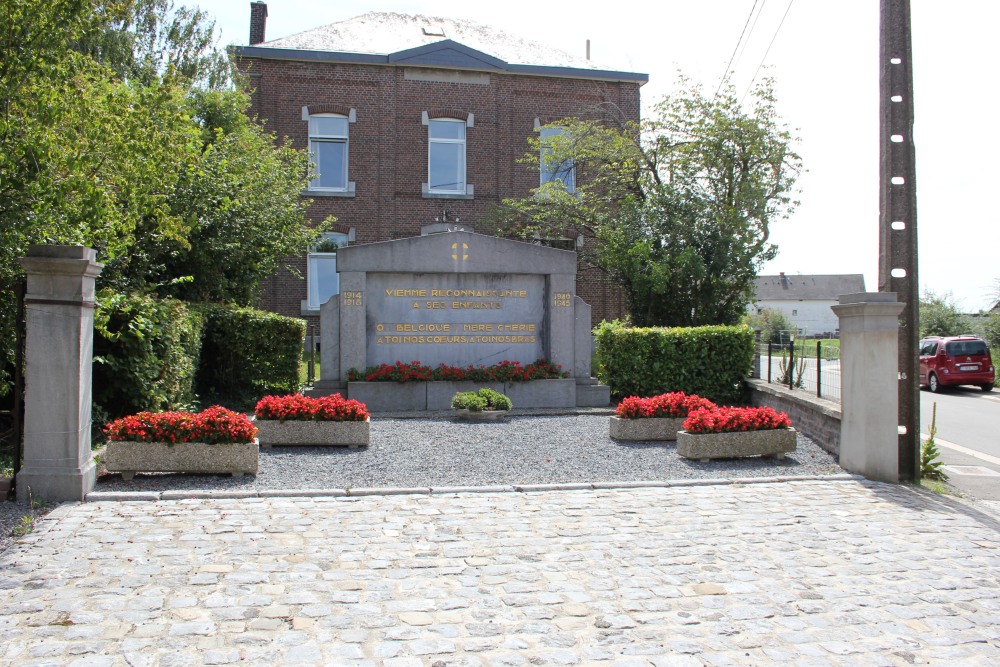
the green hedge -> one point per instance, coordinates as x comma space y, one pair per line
710, 361
145, 354
248, 353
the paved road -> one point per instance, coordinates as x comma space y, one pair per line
803, 573
968, 435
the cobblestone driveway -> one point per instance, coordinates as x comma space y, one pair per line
805, 573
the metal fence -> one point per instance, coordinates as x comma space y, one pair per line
805, 365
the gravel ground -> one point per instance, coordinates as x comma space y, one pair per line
442, 452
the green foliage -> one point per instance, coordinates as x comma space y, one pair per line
241, 205
248, 353
145, 354
484, 399
930, 465
120, 129
773, 324
144, 40
939, 316
678, 208
710, 361
494, 399
991, 330
468, 400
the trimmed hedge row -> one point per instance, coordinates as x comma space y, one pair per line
710, 361
248, 353
153, 355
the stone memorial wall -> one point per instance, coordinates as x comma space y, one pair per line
458, 299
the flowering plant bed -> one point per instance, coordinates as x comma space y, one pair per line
214, 425
728, 432
297, 407
654, 418
505, 371
215, 440
301, 420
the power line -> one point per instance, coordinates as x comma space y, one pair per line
725, 75
749, 35
750, 85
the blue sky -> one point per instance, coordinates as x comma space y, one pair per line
824, 59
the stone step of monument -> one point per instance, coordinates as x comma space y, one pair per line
593, 395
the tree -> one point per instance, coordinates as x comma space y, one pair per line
121, 129
678, 208
774, 325
939, 316
240, 203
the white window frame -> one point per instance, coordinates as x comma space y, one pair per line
315, 137
463, 142
312, 278
547, 175
465, 190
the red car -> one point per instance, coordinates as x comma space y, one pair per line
955, 360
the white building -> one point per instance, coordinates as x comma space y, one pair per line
806, 300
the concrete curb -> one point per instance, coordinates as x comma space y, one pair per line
173, 494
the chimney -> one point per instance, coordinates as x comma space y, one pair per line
258, 21
783, 280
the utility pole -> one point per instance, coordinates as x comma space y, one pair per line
897, 266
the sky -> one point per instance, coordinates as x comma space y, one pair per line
823, 57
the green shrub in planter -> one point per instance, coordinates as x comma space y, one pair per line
494, 399
484, 399
468, 400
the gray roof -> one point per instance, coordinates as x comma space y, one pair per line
411, 39
786, 287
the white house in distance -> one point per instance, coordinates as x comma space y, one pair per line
806, 300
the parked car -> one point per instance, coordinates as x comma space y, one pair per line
954, 360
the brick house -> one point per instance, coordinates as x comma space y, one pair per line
415, 125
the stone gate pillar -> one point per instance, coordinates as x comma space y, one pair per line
59, 307
869, 433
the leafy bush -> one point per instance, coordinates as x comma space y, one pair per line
214, 425
729, 420
495, 400
145, 354
248, 353
468, 400
505, 371
296, 407
484, 399
673, 405
773, 324
710, 361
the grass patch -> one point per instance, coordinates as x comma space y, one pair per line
304, 369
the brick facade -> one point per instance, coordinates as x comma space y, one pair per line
388, 145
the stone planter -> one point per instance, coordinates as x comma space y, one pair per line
5, 485
651, 428
129, 458
706, 446
481, 415
351, 434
